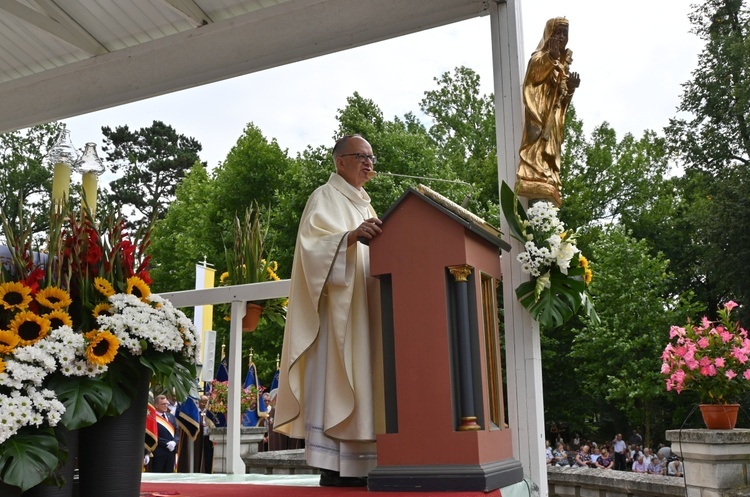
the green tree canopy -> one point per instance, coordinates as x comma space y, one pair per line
150, 163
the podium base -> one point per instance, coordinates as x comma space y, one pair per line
445, 478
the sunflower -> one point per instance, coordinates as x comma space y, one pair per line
89, 335
2, 366
59, 318
224, 277
29, 327
15, 295
137, 287
583, 262
53, 297
104, 287
588, 275
103, 348
102, 309
8, 341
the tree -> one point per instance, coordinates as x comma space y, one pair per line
716, 134
181, 239
152, 161
618, 360
464, 134
25, 179
713, 145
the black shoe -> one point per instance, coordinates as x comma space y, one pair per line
330, 478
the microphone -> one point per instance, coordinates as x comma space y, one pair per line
371, 174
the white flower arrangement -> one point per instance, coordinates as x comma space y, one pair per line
560, 273
26, 369
154, 321
558, 245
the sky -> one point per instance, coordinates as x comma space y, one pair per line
632, 58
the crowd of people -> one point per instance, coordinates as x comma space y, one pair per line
616, 454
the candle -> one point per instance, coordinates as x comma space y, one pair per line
60, 183
62, 155
89, 182
90, 166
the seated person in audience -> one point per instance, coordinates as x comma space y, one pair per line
583, 459
639, 466
596, 455
656, 466
548, 454
647, 455
676, 468
605, 460
560, 455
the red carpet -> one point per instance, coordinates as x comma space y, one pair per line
168, 489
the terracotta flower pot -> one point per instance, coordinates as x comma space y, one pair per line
720, 416
252, 315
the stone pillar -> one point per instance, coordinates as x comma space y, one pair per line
716, 461
250, 437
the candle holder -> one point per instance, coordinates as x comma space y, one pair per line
90, 166
62, 156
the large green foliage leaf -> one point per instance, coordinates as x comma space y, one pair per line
29, 457
556, 304
510, 207
85, 399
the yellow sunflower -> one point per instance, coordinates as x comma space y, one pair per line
588, 275
15, 295
59, 318
224, 277
89, 335
8, 341
104, 287
53, 297
583, 262
102, 309
138, 287
103, 348
2, 366
29, 327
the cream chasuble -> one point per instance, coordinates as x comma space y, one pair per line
331, 381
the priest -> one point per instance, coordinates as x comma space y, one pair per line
331, 383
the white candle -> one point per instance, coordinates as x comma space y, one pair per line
89, 193
60, 183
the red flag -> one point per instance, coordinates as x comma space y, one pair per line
152, 430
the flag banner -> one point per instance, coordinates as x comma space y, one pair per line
189, 418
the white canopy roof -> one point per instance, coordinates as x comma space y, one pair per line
60, 58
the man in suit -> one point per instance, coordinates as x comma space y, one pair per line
169, 437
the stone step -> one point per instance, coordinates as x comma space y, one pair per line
278, 462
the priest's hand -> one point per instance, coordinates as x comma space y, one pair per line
369, 229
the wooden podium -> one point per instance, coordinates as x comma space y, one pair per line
439, 268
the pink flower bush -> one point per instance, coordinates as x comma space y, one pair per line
712, 358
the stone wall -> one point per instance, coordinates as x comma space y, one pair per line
592, 482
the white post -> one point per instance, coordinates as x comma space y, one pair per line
522, 345
234, 463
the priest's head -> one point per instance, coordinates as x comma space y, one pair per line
354, 161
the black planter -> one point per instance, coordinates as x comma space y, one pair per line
110, 459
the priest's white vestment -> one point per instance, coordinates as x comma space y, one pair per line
331, 382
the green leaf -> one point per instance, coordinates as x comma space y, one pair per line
85, 399
555, 304
122, 378
511, 206
29, 457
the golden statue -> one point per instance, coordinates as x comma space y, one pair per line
547, 90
